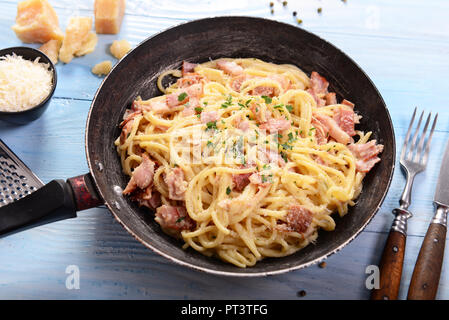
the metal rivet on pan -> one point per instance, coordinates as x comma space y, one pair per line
118, 190
99, 166
116, 205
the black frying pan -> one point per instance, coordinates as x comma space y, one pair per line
199, 41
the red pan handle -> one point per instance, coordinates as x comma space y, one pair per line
84, 192
55, 201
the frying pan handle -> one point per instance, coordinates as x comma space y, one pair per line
84, 192
55, 201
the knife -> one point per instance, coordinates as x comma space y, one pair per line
426, 275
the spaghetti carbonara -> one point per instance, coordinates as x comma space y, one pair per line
243, 159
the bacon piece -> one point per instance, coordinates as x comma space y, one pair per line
195, 90
142, 176
318, 88
147, 198
282, 80
299, 218
321, 131
319, 101
331, 98
176, 184
240, 181
177, 98
209, 116
236, 82
189, 79
229, 67
318, 83
366, 154
241, 124
187, 67
174, 219
127, 126
344, 117
260, 113
158, 106
334, 130
275, 125
259, 179
188, 111
183, 95
367, 164
263, 91
348, 103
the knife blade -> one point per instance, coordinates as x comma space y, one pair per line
442, 189
426, 275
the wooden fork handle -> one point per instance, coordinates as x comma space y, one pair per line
391, 267
426, 275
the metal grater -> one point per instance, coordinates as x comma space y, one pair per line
16, 179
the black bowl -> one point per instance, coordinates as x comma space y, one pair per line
197, 41
22, 117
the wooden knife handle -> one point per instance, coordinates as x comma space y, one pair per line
426, 275
391, 267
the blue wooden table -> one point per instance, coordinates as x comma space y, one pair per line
402, 45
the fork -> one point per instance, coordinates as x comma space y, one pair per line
413, 160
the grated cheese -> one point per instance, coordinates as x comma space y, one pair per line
23, 83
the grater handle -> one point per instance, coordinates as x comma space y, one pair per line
55, 201
52, 202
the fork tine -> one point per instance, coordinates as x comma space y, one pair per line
415, 136
407, 136
418, 154
427, 147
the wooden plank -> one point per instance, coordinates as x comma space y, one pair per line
402, 46
113, 265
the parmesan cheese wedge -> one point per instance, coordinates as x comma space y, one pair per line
36, 21
51, 49
109, 15
88, 45
77, 34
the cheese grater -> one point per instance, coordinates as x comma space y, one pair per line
16, 179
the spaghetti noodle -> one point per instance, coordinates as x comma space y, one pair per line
244, 159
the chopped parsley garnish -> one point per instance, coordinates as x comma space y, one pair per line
289, 108
268, 100
180, 219
228, 190
286, 146
211, 125
284, 156
182, 96
290, 137
267, 178
199, 109
227, 103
